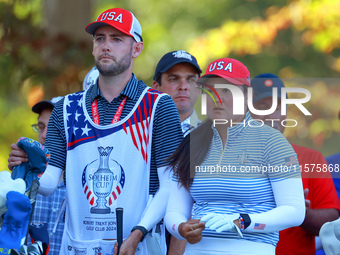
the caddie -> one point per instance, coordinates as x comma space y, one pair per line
112, 140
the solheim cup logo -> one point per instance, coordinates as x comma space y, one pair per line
102, 181
99, 181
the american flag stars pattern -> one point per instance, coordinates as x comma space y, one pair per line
136, 127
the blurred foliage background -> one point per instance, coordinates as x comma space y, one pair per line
45, 52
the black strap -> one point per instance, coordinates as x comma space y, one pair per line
142, 229
246, 219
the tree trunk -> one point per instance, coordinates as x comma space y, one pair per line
67, 17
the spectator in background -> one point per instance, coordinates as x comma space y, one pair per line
322, 204
334, 165
47, 210
334, 162
176, 74
91, 78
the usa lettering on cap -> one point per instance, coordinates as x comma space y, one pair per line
121, 20
182, 54
220, 66
111, 16
229, 69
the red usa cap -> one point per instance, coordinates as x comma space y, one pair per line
229, 69
120, 19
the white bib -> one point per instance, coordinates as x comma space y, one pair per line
106, 167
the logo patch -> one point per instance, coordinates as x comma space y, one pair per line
182, 54
290, 161
243, 157
78, 251
268, 83
97, 250
259, 226
103, 181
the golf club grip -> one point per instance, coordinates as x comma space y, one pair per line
119, 215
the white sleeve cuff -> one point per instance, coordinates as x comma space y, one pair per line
290, 210
179, 208
49, 180
155, 211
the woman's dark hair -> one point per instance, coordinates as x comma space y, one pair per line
190, 153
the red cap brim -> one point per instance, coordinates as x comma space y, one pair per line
92, 27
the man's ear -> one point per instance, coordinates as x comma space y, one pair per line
137, 49
155, 85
